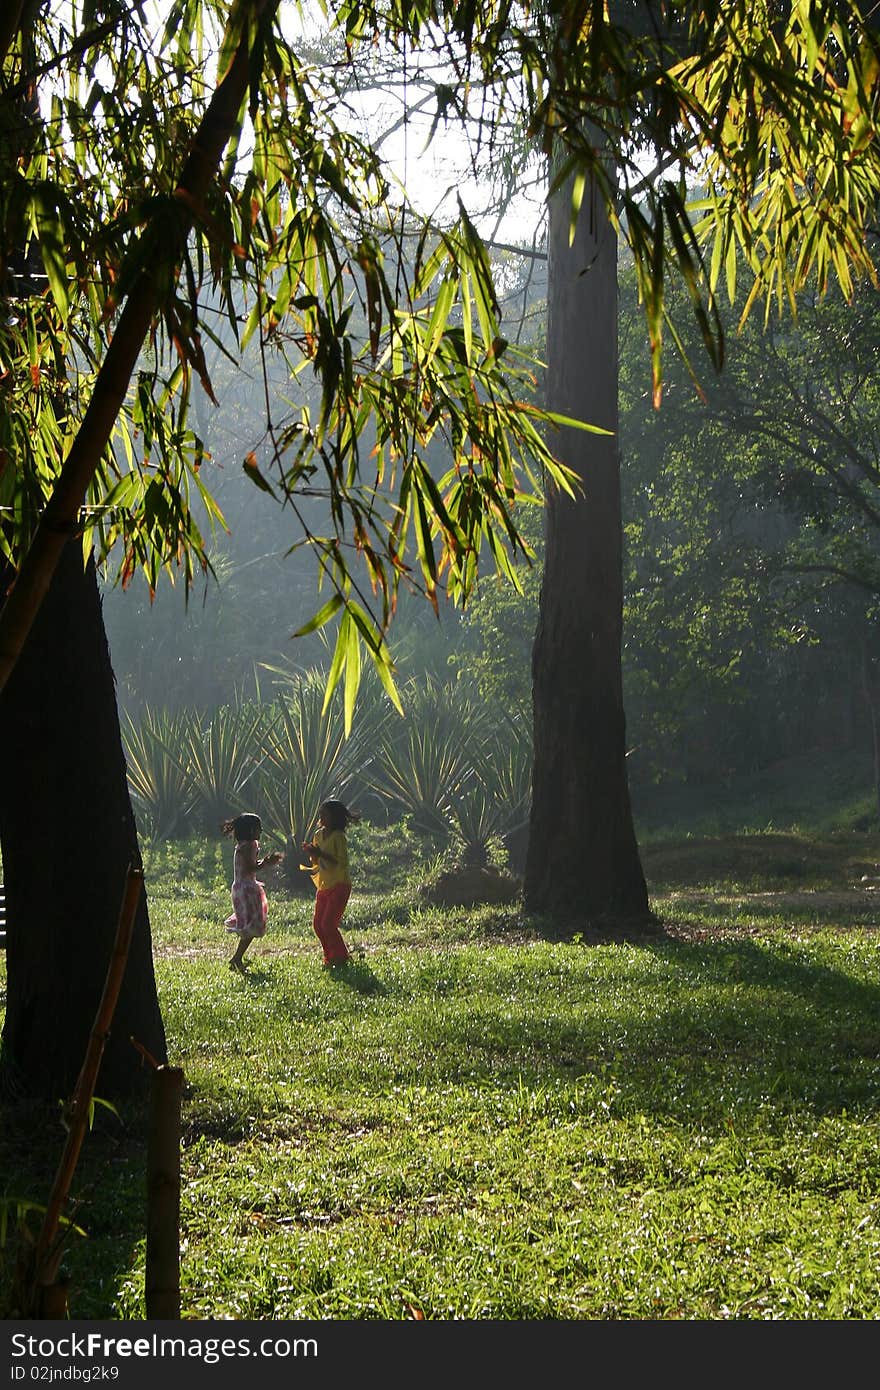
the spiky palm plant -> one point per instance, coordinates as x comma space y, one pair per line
475, 818
223, 757
423, 766
158, 777
307, 757
506, 769
494, 801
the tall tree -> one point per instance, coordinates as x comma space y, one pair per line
768, 111
66, 823
68, 834
745, 80
582, 855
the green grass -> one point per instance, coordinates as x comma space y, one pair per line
482, 1119
771, 862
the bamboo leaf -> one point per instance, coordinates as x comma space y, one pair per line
338, 662
323, 616
578, 185
352, 675
557, 419
251, 469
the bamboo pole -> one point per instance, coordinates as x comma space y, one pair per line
162, 1280
42, 1293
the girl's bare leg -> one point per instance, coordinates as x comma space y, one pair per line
237, 962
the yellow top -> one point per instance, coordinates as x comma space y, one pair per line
327, 875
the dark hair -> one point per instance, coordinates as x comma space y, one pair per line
247, 826
336, 815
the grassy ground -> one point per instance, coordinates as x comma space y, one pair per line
485, 1119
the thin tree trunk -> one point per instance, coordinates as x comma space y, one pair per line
67, 833
582, 858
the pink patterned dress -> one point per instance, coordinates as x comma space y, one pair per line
249, 905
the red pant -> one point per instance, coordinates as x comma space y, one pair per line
329, 907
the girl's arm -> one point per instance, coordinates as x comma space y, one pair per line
311, 848
252, 863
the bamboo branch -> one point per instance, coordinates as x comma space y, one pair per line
60, 518
47, 1251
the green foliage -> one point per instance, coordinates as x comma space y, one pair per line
495, 800
500, 622
389, 859
220, 759
815, 792
422, 766
405, 359
306, 756
750, 527
185, 770
293, 238
159, 780
477, 819
454, 766
682, 1126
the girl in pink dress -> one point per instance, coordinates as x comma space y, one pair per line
249, 906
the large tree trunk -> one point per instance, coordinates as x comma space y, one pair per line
582, 858
67, 833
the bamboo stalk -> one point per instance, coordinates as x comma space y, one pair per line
162, 1280
47, 1251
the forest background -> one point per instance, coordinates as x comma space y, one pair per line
750, 576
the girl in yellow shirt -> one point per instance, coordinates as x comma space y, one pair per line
328, 852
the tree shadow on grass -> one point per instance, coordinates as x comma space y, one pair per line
107, 1199
696, 1034
739, 1022
782, 968
598, 931
357, 976
700, 1028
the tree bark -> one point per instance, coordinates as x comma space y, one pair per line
68, 834
582, 857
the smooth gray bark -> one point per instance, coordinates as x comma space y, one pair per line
582, 859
